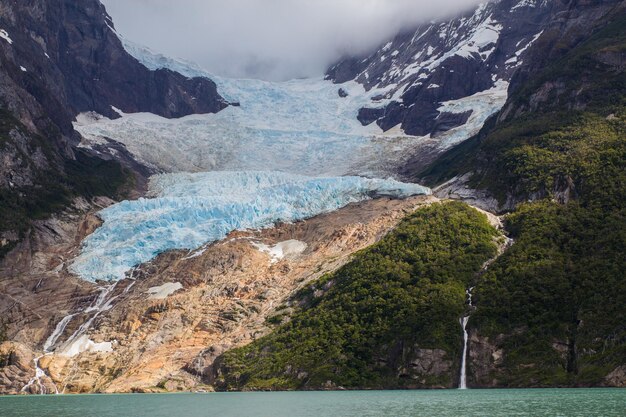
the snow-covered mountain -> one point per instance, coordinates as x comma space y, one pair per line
427, 90
119, 164
447, 61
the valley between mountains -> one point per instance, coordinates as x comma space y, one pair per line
446, 210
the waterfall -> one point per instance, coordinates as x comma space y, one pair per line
39, 373
102, 304
463, 321
58, 331
47, 349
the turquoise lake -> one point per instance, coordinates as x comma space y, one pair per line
453, 403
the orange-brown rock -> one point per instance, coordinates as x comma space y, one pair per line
176, 308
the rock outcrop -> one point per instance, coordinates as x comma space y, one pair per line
220, 297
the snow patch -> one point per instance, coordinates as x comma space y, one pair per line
487, 33
282, 250
482, 104
524, 3
164, 291
84, 344
5, 35
516, 58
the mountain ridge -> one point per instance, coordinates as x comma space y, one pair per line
547, 148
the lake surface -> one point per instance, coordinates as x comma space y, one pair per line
453, 403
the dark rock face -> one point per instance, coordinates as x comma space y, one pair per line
569, 27
59, 58
75, 62
446, 60
446, 121
367, 116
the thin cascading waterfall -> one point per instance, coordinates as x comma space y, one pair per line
47, 350
102, 303
39, 374
463, 321
463, 378
58, 331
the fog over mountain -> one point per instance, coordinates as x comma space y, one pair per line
270, 39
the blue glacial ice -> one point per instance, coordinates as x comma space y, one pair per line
186, 211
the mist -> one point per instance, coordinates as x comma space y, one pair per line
271, 39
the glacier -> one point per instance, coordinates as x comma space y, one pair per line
300, 126
188, 210
286, 152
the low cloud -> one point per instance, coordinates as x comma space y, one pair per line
270, 39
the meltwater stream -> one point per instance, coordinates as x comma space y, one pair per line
78, 341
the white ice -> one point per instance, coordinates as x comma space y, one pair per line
282, 250
299, 126
163, 291
84, 344
524, 3
290, 151
516, 59
5, 35
483, 105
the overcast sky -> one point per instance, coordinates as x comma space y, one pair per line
270, 39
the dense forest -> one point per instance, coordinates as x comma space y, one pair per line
554, 303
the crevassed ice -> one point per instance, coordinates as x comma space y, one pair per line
189, 210
298, 126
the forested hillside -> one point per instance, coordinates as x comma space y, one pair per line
549, 312
388, 319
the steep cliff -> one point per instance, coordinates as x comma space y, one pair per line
57, 59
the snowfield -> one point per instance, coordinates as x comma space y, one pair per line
186, 211
300, 126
